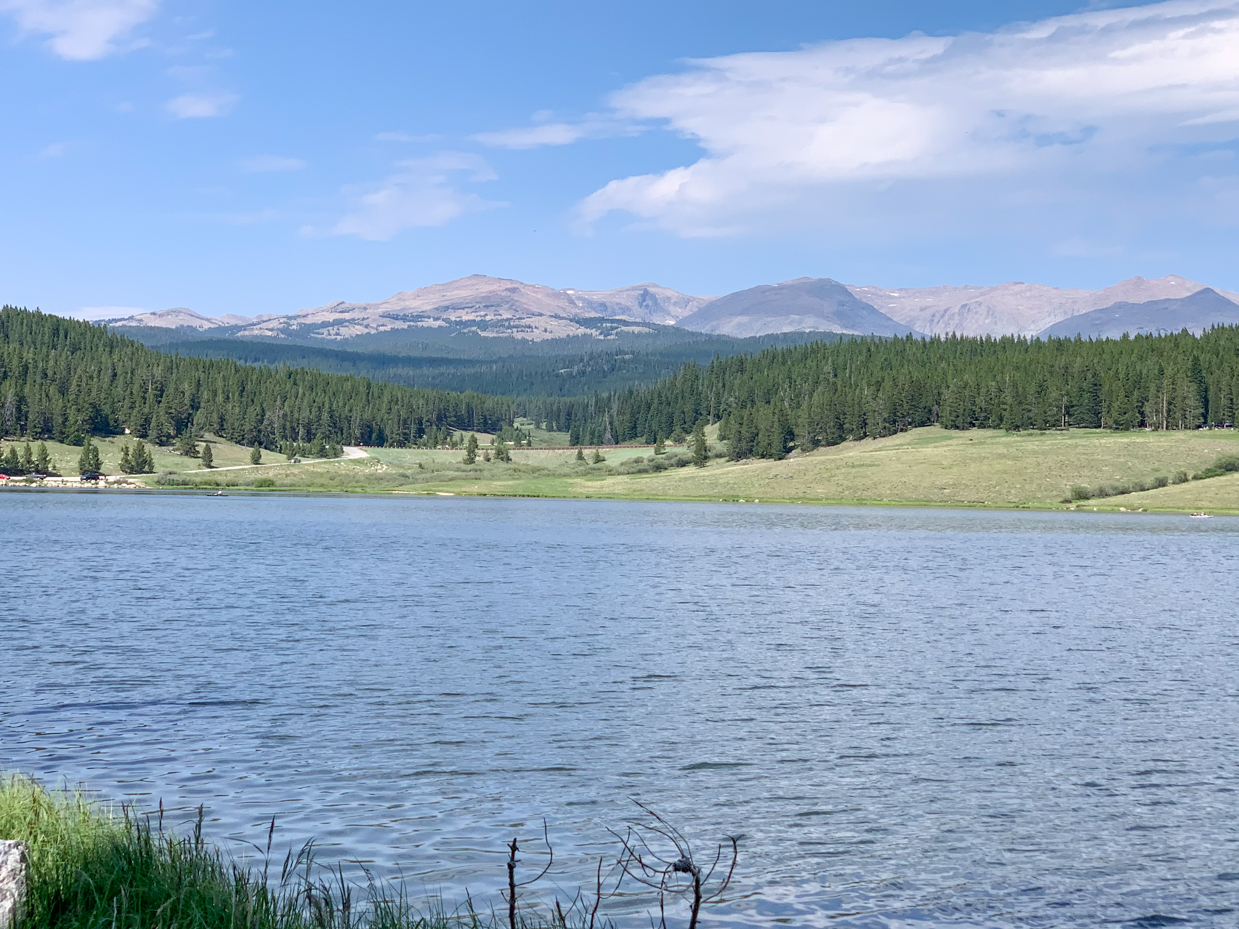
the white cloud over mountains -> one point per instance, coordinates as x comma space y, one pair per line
81, 30
1092, 94
421, 192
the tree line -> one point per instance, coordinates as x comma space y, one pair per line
65, 380
819, 394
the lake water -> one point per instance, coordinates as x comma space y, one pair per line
914, 717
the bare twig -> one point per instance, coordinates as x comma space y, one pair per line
660, 870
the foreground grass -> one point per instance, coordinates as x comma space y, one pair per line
90, 868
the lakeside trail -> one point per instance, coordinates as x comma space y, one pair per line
350, 452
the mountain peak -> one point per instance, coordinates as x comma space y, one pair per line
803, 305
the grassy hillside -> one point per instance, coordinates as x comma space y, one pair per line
226, 454
928, 465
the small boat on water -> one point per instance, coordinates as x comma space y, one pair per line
219, 493
1201, 516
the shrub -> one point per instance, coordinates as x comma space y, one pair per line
264, 482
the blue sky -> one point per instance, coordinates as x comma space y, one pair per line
263, 158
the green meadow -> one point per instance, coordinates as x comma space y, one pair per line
65, 457
929, 466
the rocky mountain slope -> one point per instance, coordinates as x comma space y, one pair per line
1014, 308
805, 304
496, 307
486, 305
180, 317
647, 303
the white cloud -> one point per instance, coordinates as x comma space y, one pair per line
201, 105
1073, 97
259, 164
81, 30
556, 133
423, 192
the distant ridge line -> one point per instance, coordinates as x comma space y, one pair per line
505, 308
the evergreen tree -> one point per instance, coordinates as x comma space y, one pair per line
160, 429
501, 451
208, 457
699, 450
89, 460
11, 464
126, 460
255, 455
186, 445
659, 447
142, 459
27, 459
597, 457
580, 453
42, 460
471, 449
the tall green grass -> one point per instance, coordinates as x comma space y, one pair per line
1226, 464
93, 867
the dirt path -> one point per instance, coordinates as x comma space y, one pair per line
350, 451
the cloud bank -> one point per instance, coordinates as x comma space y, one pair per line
1101, 93
421, 192
81, 30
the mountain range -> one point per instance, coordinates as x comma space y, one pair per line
497, 308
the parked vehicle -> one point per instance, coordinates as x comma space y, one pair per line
93, 476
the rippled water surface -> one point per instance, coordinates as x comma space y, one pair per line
915, 717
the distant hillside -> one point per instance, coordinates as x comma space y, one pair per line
804, 305
1195, 313
556, 368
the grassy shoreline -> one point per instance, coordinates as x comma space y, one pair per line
89, 866
928, 467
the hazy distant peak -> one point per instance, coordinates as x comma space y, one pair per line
1013, 308
647, 302
178, 317
804, 305
1195, 312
